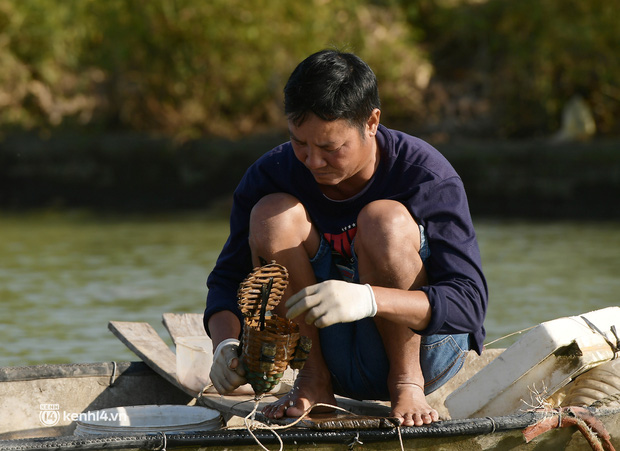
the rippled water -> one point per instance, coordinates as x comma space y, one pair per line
64, 276
541, 271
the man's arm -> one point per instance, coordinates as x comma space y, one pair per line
457, 289
224, 325
409, 308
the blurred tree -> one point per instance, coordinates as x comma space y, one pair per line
525, 59
186, 68
42, 81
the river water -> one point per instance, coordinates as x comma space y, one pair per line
63, 276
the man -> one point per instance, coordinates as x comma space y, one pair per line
374, 228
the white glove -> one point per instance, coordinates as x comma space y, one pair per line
331, 302
227, 372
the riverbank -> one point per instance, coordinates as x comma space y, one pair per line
138, 173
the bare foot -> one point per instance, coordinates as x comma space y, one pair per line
307, 391
409, 405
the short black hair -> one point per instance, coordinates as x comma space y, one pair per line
332, 85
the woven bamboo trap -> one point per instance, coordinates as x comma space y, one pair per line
269, 343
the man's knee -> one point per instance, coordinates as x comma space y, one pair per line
274, 205
387, 223
276, 213
283, 218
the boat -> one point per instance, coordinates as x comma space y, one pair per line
42, 407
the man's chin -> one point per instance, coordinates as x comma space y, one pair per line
326, 180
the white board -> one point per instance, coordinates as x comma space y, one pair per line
545, 359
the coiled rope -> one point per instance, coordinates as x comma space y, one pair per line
252, 424
592, 429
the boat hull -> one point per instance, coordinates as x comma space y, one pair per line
27, 391
501, 433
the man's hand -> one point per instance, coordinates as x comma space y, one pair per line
331, 302
227, 373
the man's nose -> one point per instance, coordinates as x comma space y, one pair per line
314, 160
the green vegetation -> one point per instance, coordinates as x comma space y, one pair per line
184, 68
527, 58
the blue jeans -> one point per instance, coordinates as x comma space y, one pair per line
354, 352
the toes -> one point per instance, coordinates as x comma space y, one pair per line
276, 411
271, 411
279, 412
418, 419
406, 419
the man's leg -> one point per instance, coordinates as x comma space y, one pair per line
387, 246
281, 230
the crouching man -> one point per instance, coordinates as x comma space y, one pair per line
374, 228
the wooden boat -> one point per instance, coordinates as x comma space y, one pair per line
28, 394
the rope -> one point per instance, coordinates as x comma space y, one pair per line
613, 346
113, 378
492, 424
273, 428
592, 429
356, 441
195, 400
606, 401
164, 440
249, 426
400, 439
509, 335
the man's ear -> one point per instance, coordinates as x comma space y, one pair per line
373, 122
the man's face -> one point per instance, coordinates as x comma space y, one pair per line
340, 158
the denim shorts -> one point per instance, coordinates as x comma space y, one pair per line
354, 352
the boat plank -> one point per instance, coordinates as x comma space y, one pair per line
183, 325
146, 343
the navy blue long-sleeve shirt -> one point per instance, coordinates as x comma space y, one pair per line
411, 172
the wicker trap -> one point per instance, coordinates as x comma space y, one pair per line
269, 343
